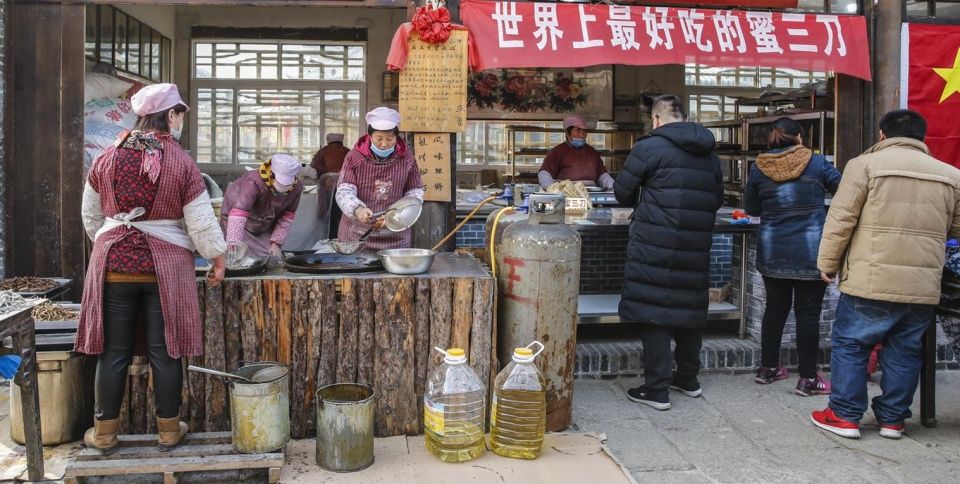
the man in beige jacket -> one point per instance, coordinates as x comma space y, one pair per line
885, 235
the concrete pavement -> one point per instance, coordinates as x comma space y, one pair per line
739, 432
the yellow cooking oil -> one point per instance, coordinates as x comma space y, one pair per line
518, 414
454, 406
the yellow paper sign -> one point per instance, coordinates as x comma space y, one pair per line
432, 151
433, 85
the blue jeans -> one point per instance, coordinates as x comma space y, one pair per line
861, 324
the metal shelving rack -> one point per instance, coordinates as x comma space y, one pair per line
740, 141
610, 156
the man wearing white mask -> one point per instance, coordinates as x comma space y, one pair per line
574, 159
259, 207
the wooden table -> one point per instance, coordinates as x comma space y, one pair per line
377, 329
19, 326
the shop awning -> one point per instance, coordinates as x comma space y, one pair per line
528, 34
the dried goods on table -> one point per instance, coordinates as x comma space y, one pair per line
12, 302
53, 312
27, 284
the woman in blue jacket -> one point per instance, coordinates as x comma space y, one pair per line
786, 188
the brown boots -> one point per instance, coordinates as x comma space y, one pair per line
103, 434
171, 432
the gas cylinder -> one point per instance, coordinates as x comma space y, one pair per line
538, 276
504, 217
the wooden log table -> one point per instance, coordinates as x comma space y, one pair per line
376, 328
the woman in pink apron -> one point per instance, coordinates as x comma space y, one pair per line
377, 172
259, 207
146, 208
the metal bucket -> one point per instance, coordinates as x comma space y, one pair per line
345, 427
260, 412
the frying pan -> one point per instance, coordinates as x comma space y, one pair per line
333, 263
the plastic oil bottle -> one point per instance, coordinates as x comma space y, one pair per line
454, 410
519, 410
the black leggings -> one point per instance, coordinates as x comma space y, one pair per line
123, 303
806, 298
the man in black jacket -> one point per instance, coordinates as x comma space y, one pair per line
673, 178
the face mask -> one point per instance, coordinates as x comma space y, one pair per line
382, 153
280, 188
177, 132
578, 142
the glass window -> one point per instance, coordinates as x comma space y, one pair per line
947, 10
106, 35
120, 48
270, 108
215, 109
92, 24
341, 110
155, 55
811, 5
844, 6
166, 59
133, 46
129, 45
918, 8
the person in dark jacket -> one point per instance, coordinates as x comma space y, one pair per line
786, 189
673, 178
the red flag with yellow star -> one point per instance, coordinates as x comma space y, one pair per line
931, 84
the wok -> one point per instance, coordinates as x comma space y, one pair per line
333, 263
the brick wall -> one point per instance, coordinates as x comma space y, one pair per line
756, 297
721, 258
602, 259
472, 234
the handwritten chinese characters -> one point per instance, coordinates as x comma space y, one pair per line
433, 85
521, 34
432, 151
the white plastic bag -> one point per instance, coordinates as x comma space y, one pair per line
99, 86
117, 112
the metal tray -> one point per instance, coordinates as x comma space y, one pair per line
333, 263
62, 286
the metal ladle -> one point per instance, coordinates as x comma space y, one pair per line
267, 374
400, 216
219, 373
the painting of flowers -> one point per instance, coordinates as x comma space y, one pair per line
541, 93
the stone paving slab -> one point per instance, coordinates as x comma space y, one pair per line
743, 432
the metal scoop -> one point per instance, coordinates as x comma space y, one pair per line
400, 216
267, 374
219, 373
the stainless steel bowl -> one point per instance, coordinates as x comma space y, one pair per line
406, 261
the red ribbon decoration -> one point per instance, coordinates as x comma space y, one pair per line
433, 25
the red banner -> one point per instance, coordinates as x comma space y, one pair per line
932, 77
527, 34
726, 3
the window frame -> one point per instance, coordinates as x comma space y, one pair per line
931, 16
146, 33
237, 85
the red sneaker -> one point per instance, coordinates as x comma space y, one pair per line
892, 431
829, 421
